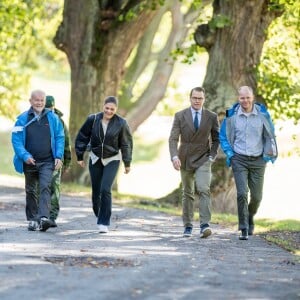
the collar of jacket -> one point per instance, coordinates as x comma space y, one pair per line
234, 108
58, 112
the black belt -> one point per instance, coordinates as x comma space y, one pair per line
248, 157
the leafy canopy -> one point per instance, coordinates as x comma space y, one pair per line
27, 27
279, 71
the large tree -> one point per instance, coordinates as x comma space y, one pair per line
234, 39
98, 38
24, 39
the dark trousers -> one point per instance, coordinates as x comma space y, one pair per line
55, 194
37, 187
102, 178
248, 174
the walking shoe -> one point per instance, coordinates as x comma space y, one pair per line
187, 231
251, 229
53, 223
244, 235
45, 224
103, 228
205, 231
33, 225
251, 225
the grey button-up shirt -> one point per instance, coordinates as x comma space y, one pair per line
248, 133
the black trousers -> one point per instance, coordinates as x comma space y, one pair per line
37, 187
248, 174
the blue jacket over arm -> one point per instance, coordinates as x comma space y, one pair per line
270, 151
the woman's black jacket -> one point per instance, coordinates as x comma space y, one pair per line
117, 137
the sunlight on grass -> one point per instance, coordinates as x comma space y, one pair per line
6, 151
144, 152
75, 189
271, 225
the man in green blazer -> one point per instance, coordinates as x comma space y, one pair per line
198, 131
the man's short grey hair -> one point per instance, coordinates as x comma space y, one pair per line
245, 88
37, 92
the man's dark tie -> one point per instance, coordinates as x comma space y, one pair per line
196, 121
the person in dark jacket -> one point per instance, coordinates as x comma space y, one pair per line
110, 141
56, 177
248, 140
38, 141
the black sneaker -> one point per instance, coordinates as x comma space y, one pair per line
205, 231
33, 225
187, 231
45, 224
244, 235
251, 229
53, 223
251, 225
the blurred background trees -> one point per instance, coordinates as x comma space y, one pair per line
26, 32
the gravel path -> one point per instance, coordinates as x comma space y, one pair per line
144, 256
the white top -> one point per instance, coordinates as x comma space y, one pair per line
105, 161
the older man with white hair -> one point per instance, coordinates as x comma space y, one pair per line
247, 138
38, 141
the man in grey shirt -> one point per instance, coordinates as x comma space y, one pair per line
247, 138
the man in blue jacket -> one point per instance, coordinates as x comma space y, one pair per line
247, 138
38, 141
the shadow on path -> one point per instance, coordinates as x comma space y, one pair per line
144, 256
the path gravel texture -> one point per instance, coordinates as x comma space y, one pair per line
144, 256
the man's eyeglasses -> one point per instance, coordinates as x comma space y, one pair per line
197, 98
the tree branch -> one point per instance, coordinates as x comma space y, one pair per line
163, 71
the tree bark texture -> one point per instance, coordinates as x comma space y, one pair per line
97, 45
235, 49
234, 53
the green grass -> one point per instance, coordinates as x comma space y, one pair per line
283, 233
145, 152
75, 189
6, 154
271, 225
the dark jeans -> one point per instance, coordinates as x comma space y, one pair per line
37, 187
248, 175
102, 178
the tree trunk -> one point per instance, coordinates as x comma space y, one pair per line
235, 49
234, 53
97, 45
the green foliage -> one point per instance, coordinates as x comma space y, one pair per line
133, 12
27, 28
279, 71
6, 165
219, 21
189, 51
188, 54
195, 4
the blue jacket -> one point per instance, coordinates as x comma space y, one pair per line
270, 152
18, 138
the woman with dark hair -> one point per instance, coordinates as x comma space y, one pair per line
110, 142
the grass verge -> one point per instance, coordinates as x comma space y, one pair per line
284, 233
